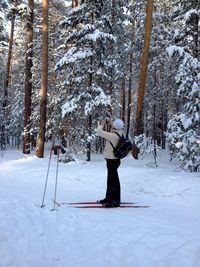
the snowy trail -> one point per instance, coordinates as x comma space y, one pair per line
165, 235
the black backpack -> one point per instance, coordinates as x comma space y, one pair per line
123, 147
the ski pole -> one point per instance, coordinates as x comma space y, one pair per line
56, 181
45, 187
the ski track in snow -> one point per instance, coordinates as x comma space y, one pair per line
165, 235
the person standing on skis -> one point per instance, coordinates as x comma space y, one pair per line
113, 195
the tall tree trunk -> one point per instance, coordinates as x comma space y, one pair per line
44, 82
163, 123
28, 80
90, 80
164, 109
88, 149
196, 49
6, 82
74, 3
143, 75
8, 67
112, 50
123, 99
129, 92
195, 30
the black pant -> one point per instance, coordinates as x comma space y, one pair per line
113, 184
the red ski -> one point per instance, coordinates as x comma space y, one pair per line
102, 207
90, 203
96, 205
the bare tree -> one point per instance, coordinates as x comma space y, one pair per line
44, 81
28, 79
143, 74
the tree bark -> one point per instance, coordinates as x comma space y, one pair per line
195, 30
90, 80
143, 75
123, 99
44, 82
74, 3
196, 37
8, 67
129, 92
112, 50
3, 141
28, 81
88, 149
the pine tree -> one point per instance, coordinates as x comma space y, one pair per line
44, 82
183, 128
144, 66
186, 15
28, 80
5, 100
158, 89
16, 98
57, 10
86, 63
3, 48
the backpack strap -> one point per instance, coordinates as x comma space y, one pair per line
119, 137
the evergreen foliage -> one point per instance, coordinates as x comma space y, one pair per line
4, 44
95, 50
86, 63
184, 126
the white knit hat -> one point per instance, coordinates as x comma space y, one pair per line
118, 124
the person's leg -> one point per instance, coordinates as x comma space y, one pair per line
116, 183
108, 196
113, 183
109, 180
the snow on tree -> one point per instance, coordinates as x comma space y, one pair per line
184, 127
85, 64
17, 85
3, 48
157, 91
186, 15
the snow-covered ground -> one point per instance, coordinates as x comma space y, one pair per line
167, 234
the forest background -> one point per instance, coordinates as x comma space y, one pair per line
65, 65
